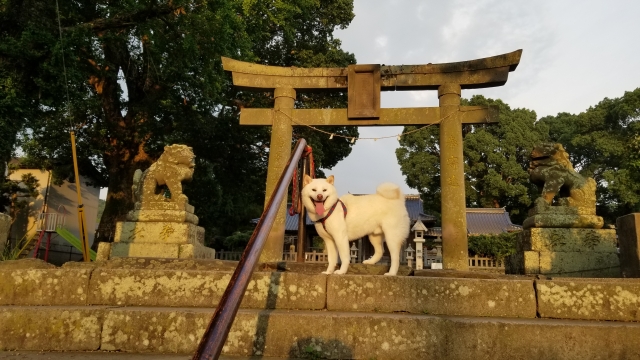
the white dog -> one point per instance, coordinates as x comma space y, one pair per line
383, 216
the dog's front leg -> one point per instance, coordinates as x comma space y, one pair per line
330, 245
342, 243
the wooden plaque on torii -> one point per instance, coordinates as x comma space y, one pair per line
363, 84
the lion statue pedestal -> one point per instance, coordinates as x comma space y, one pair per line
565, 238
162, 224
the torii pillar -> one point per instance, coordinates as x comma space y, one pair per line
364, 83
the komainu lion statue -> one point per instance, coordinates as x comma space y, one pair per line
176, 164
551, 170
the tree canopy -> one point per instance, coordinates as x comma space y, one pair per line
144, 74
603, 142
496, 157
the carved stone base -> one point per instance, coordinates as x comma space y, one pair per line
565, 252
563, 221
177, 216
157, 239
159, 232
158, 250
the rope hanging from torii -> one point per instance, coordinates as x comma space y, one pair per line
296, 204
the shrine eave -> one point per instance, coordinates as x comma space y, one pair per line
472, 74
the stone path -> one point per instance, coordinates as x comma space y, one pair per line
36, 355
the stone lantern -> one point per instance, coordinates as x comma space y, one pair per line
354, 253
409, 252
419, 229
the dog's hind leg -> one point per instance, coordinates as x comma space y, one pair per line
376, 241
330, 245
394, 252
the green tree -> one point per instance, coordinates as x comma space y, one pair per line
495, 156
143, 74
604, 143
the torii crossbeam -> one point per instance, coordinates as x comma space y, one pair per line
364, 83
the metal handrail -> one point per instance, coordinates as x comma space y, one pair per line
215, 336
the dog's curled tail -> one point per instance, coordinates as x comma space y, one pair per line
390, 191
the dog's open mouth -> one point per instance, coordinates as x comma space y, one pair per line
319, 206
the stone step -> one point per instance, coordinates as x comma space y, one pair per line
106, 355
315, 334
506, 296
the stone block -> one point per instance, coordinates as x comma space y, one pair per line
445, 296
306, 334
178, 216
563, 221
579, 264
165, 205
568, 240
196, 251
628, 227
122, 249
50, 328
137, 287
158, 233
44, 286
104, 251
591, 299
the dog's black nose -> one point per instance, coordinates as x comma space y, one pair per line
319, 197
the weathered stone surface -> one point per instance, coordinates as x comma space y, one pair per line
50, 328
568, 240
165, 264
565, 252
371, 336
629, 237
28, 263
196, 251
158, 233
563, 221
145, 250
204, 288
447, 296
594, 299
104, 251
178, 216
580, 264
317, 268
44, 286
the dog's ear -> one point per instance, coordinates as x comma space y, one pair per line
330, 179
306, 180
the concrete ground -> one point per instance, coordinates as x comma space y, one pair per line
101, 355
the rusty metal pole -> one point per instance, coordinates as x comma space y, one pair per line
82, 223
302, 216
279, 152
453, 205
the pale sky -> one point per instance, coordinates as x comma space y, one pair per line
575, 53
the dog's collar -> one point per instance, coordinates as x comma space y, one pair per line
344, 209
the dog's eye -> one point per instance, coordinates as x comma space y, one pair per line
313, 189
324, 190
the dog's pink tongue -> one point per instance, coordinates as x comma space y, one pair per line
319, 208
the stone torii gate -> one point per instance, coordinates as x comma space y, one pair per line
364, 83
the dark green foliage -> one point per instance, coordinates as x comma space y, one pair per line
603, 143
496, 157
145, 74
493, 246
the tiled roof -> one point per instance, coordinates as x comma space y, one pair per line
489, 221
414, 208
483, 221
